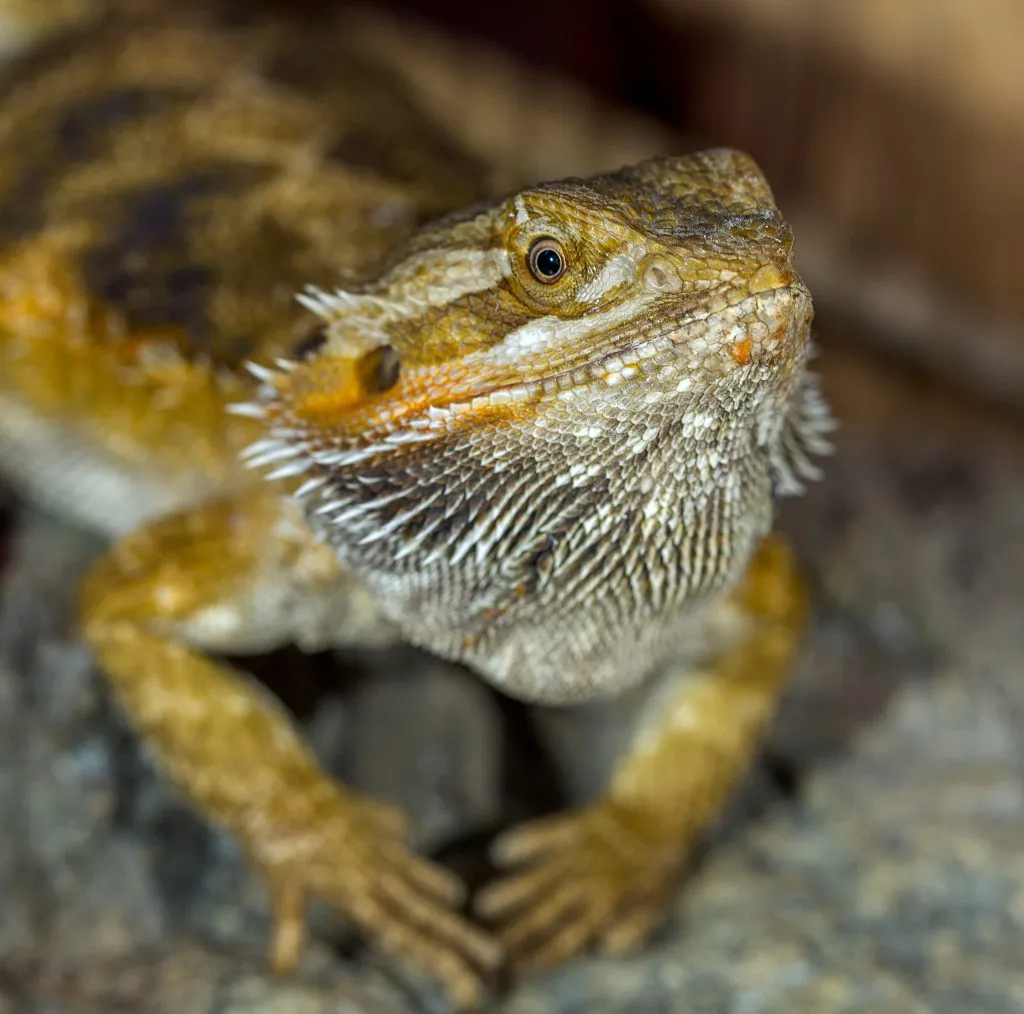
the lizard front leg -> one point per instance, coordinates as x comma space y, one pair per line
604, 874
244, 573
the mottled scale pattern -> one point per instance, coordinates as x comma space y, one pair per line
293, 163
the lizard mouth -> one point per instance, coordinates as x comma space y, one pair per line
697, 343
342, 410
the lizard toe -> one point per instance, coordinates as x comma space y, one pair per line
353, 860
595, 876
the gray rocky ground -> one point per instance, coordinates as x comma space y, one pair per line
874, 862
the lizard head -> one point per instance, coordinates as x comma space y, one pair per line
587, 332
568, 405
667, 282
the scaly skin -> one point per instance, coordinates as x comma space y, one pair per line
564, 481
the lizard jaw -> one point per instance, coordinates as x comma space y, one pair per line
322, 413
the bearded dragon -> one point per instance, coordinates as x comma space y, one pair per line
540, 436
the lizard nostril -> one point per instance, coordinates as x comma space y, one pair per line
661, 276
381, 368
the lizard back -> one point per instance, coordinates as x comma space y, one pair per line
167, 184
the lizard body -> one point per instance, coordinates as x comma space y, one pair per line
540, 435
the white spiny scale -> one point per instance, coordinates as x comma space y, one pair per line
341, 459
290, 470
262, 373
398, 520
259, 447
247, 409
329, 459
310, 486
343, 305
315, 300
334, 303
330, 506
345, 514
281, 452
465, 544
818, 443
419, 537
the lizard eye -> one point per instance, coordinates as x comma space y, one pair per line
546, 260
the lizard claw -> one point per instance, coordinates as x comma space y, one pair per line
599, 876
357, 862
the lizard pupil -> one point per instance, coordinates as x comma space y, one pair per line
549, 263
546, 261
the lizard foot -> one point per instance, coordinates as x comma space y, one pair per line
601, 875
351, 854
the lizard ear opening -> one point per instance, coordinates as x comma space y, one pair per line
380, 369
323, 389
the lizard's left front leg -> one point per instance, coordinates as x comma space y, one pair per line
244, 573
604, 874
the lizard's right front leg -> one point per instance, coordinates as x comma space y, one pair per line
244, 572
